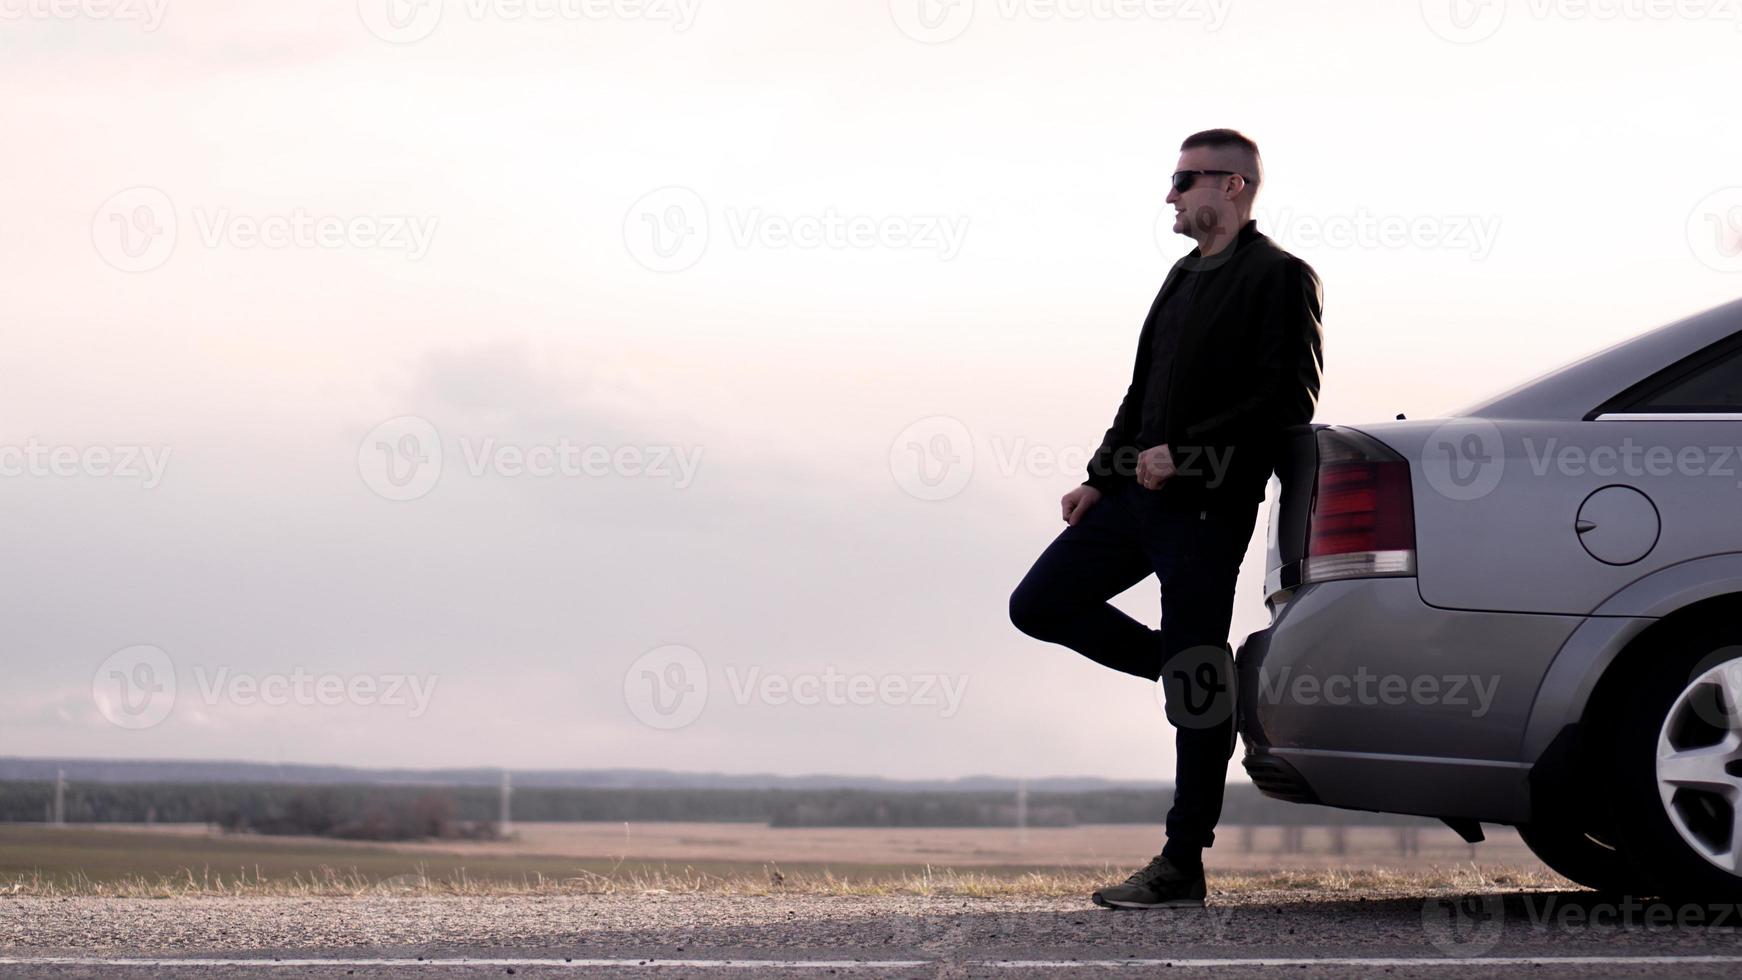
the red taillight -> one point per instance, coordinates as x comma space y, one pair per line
1363, 518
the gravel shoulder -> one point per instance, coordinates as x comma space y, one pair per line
940, 930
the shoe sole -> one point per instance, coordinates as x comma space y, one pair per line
1174, 903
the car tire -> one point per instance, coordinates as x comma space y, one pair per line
1575, 855
1673, 821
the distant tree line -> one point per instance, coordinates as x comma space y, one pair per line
402, 812
323, 811
857, 808
1243, 804
349, 812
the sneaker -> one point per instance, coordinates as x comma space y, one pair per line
1159, 885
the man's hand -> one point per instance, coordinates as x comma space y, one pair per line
1154, 467
1078, 501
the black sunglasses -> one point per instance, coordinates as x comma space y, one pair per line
1183, 180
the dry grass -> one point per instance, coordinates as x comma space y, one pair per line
1376, 882
75, 861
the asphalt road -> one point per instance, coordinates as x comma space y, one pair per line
1543, 934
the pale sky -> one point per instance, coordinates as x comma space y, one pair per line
1487, 190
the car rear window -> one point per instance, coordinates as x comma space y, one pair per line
1713, 387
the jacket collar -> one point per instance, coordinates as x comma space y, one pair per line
1247, 234
1196, 261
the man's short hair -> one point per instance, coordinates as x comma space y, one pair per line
1229, 139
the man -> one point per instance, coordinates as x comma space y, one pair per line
1230, 354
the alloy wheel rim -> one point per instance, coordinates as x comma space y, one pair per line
1699, 765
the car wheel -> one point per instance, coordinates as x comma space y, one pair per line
1574, 854
1678, 754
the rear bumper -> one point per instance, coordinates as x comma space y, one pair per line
1362, 696
1491, 792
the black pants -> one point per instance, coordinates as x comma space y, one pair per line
1195, 554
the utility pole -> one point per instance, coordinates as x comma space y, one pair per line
1022, 811
504, 824
60, 797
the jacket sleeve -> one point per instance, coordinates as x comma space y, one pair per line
1288, 361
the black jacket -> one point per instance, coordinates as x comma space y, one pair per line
1247, 366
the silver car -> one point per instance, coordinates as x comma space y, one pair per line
1529, 613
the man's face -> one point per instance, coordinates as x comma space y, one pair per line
1208, 206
